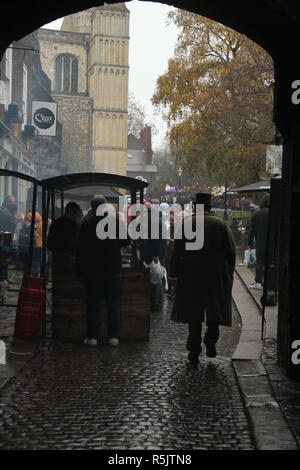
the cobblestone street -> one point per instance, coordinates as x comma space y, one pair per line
135, 396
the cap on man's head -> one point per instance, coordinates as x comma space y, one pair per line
203, 198
97, 201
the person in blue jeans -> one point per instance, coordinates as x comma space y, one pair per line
99, 262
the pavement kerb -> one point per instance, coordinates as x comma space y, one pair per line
270, 429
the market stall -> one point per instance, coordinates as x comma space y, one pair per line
68, 291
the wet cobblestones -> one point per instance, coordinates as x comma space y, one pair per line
136, 396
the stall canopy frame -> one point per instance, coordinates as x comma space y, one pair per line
60, 184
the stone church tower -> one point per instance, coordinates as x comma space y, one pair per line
87, 62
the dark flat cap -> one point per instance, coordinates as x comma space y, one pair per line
203, 198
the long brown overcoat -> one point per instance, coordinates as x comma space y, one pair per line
205, 276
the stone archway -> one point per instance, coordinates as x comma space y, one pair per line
271, 25
274, 25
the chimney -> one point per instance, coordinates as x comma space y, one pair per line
145, 138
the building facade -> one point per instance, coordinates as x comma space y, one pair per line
139, 156
15, 130
22, 149
87, 63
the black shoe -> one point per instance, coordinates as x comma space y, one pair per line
193, 357
211, 350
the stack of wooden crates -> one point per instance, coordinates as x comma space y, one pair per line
69, 303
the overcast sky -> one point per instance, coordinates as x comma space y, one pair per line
151, 45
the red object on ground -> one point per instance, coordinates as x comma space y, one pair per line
34, 282
30, 309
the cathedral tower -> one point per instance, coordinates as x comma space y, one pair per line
108, 86
87, 62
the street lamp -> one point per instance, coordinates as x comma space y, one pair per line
225, 201
179, 171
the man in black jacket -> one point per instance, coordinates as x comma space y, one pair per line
8, 219
154, 249
258, 232
63, 232
99, 261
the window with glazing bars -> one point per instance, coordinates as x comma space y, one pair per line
66, 73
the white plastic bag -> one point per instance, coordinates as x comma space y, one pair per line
156, 272
165, 279
250, 258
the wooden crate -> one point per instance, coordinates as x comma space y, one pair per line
69, 304
135, 306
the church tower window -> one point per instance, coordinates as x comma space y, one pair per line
66, 73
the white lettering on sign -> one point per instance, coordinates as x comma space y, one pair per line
296, 354
296, 94
41, 118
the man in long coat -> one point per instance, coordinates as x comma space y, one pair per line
203, 280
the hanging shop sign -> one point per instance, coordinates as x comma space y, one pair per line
44, 117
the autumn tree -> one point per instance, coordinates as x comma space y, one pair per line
216, 98
167, 174
136, 116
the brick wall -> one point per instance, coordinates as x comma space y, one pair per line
145, 138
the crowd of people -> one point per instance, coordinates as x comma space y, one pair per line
199, 281
191, 275
19, 228
9, 219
